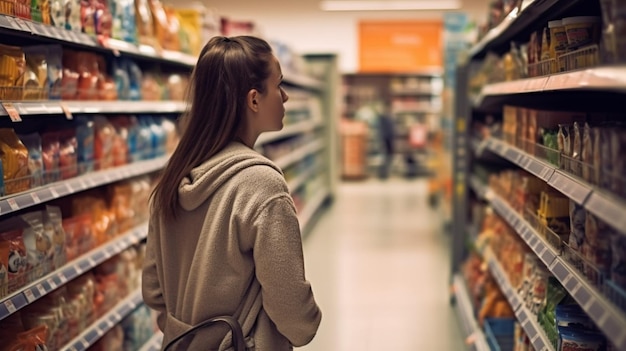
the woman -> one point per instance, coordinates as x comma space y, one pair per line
223, 236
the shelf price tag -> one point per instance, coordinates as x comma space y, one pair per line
66, 111
14, 115
10, 306
30, 297
13, 204
35, 197
41, 289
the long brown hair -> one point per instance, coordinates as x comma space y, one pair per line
228, 67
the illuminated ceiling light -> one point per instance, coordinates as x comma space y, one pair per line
414, 5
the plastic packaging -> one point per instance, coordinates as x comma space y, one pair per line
582, 31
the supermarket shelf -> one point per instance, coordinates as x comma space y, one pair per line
299, 153
19, 26
466, 313
311, 208
516, 24
49, 283
539, 246
300, 80
70, 186
608, 318
605, 79
69, 108
297, 182
154, 344
478, 187
291, 130
95, 331
415, 92
527, 320
422, 110
606, 206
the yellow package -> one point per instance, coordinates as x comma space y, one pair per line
14, 157
173, 39
36, 73
7, 7
191, 25
12, 68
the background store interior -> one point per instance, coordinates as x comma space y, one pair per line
506, 114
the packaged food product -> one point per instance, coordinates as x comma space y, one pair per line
22, 9
51, 149
7, 7
191, 24
104, 134
36, 75
78, 235
12, 69
103, 18
32, 339
545, 44
173, 39
123, 25
577, 216
70, 75
618, 258
88, 17
144, 22
576, 145
38, 245
135, 76
88, 73
572, 315
85, 144
618, 148
53, 223
68, 163
572, 338
14, 161
17, 260
57, 13
73, 15
159, 20
32, 142
596, 248
4, 268
558, 41
582, 31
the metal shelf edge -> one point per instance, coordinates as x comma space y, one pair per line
465, 312
69, 271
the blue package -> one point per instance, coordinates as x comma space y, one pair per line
32, 142
85, 144
572, 338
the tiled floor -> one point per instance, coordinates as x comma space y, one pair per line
379, 266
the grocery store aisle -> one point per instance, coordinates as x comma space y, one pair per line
379, 267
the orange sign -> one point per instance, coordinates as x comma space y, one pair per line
400, 46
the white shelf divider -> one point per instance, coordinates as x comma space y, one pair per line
71, 270
61, 107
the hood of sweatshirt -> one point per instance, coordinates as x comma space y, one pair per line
206, 179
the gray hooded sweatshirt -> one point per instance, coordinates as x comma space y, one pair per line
234, 249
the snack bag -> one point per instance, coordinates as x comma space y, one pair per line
14, 157
12, 69
70, 75
38, 244
88, 16
103, 18
85, 144
51, 149
53, 224
32, 142
73, 15
103, 143
17, 260
123, 25
36, 74
4, 270
68, 164
144, 22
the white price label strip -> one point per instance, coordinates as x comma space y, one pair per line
41, 289
14, 206
10, 306
30, 297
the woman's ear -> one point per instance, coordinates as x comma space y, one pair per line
251, 100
